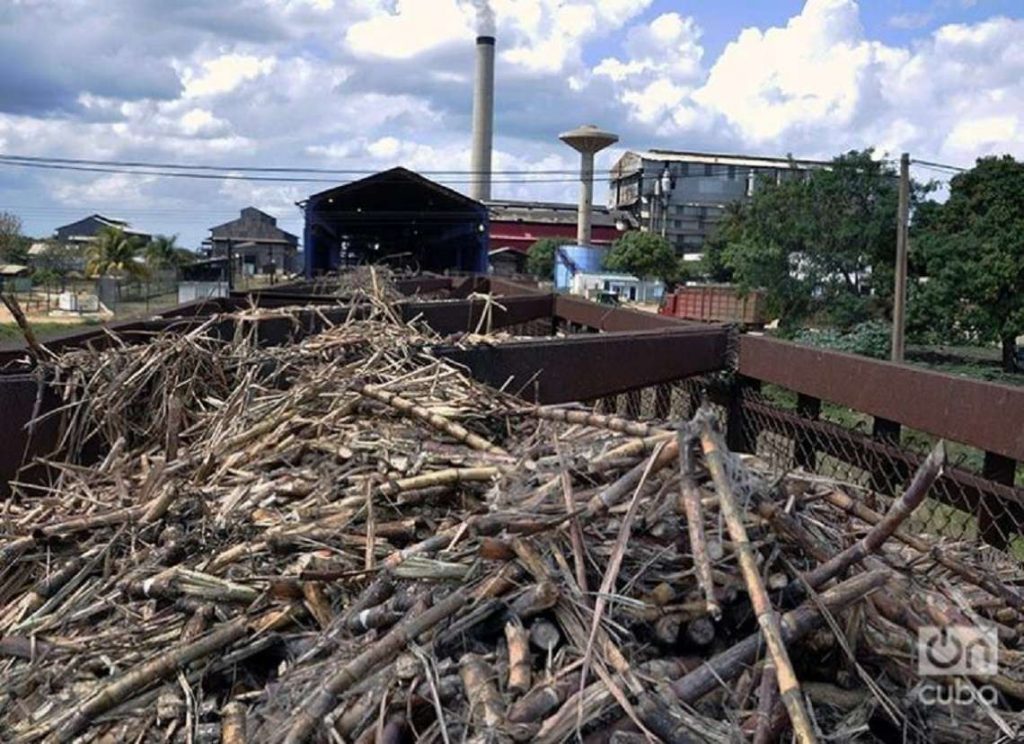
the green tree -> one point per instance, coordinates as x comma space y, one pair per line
971, 251
115, 253
540, 260
644, 255
820, 243
55, 263
163, 252
13, 245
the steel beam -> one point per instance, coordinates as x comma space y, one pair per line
981, 414
593, 366
460, 316
606, 318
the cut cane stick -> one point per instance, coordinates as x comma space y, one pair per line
767, 617
519, 672
308, 717
689, 499
452, 429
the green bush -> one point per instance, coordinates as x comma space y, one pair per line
871, 338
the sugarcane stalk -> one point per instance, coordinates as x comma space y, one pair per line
13, 549
902, 508
437, 478
485, 704
308, 717
970, 574
630, 450
767, 617
232, 723
159, 668
518, 642
593, 420
623, 486
317, 603
452, 429
794, 624
689, 500
768, 696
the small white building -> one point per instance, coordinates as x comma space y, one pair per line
628, 288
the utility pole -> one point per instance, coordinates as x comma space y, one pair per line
899, 304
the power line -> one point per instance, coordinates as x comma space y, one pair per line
939, 166
210, 176
261, 169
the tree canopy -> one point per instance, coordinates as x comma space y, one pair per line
970, 251
13, 245
644, 255
816, 241
115, 253
163, 252
540, 260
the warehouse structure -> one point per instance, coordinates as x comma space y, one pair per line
254, 244
396, 217
517, 225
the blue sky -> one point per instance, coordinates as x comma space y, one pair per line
367, 84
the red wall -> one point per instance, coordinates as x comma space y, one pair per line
521, 235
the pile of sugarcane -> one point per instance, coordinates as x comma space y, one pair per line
346, 539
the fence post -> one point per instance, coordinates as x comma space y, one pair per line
995, 521
803, 443
740, 430
884, 476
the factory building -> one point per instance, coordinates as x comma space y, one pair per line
396, 217
683, 195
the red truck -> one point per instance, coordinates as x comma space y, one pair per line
719, 303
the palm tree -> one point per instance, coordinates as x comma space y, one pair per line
115, 253
163, 252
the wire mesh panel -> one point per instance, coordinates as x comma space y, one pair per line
870, 460
845, 446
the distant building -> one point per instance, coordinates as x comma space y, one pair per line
396, 217
507, 261
14, 277
683, 195
83, 232
255, 243
516, 225
78, 236
625, 287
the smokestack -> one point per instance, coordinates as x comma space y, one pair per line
483, 120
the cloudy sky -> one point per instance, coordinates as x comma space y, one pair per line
366, 84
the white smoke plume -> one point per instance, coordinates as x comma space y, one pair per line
485, 25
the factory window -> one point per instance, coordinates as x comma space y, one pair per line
732, 172
709, 169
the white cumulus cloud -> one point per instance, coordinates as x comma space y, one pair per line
224, 73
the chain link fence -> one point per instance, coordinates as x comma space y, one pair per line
871, 462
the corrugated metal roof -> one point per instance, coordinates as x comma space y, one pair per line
750, 161
555, 213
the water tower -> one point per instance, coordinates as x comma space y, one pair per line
587, 140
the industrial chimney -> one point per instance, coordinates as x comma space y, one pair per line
587, 140
483, 120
